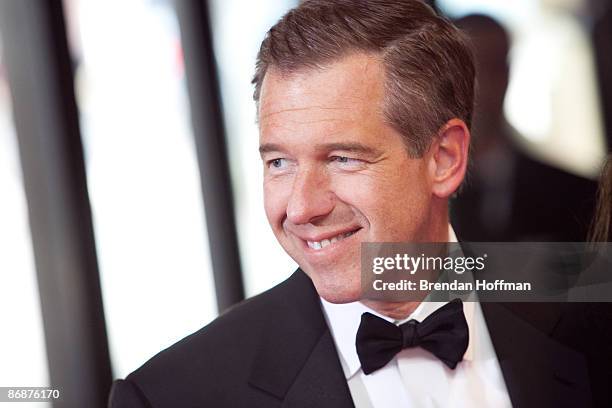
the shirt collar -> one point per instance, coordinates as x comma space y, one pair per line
344, 318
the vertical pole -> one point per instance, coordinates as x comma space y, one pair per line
209, 133
46, 119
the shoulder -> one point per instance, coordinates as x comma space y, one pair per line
220, 353
238, 326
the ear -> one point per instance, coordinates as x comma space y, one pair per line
448, 158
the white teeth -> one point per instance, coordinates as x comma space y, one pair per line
326, 242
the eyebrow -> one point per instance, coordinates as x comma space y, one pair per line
269, 147
352, 147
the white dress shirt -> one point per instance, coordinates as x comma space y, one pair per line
415, 377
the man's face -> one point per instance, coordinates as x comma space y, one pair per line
335, 174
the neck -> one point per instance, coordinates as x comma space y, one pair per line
396, 311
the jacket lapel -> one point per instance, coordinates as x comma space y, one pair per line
321, 382
297, 361
538, 370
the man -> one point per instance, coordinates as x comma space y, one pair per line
364, 110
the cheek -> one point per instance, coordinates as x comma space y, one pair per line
391, 201
375, 192
358, 191
408, 204
276, 196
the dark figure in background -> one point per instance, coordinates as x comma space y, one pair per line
509, 196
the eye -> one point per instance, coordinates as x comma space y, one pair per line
344, 160
277, 163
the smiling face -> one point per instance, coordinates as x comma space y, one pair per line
336, 174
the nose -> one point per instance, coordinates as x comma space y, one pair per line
310, 197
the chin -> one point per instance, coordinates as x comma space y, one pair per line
339, 290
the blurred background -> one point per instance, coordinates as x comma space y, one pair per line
131, 208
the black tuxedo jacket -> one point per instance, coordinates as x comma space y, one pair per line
276, 350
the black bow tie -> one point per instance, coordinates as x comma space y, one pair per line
444, 333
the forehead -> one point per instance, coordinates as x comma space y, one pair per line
350, 88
